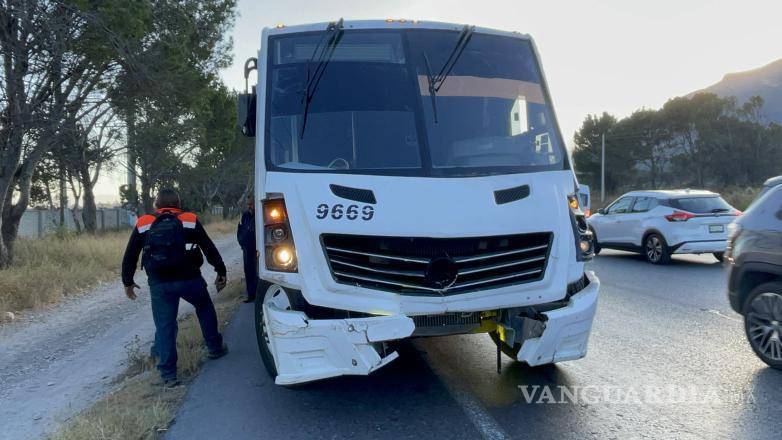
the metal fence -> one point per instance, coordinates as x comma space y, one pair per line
37, 223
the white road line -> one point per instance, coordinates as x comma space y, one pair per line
480, 418
489, 428
722, 315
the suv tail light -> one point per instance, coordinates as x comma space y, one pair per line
280, 252
679, 216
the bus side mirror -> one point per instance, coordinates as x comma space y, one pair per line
247, 101
246, 113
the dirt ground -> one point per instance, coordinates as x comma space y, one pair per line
55, 362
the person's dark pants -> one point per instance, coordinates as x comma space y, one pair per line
250, 274
165, 306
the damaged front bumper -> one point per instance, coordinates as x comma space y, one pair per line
311, 349
567, 329
307, 349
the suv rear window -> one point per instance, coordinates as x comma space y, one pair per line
702, 205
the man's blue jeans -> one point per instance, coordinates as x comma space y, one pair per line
250, 274
165, 306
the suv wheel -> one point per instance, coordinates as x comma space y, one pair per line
763, 322
656, 249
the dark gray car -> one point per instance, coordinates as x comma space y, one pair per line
754, 258
768, 185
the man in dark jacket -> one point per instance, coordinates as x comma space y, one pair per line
245, 234
174, 273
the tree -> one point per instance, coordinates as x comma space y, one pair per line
28, 75
85, 151
703, 140
165, 79
587, 153
647, 141
54, 57
223, 169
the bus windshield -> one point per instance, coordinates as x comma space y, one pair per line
371, 112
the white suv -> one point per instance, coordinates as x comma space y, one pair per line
661, 223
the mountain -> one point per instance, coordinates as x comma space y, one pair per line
765, 82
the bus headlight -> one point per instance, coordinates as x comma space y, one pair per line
283, 256
280, 251
585, 247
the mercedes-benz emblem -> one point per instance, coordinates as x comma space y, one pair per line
441, 273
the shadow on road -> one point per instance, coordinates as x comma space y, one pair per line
683, 260
401, 400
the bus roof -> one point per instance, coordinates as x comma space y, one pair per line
388, 24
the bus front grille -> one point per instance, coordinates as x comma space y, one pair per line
437, 266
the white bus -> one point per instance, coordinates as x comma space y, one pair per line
413, 182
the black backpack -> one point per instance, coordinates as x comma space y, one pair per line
164, 248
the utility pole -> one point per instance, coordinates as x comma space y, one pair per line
603, 168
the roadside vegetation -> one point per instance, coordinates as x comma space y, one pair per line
44, 271
701, 142
140, 408
93, 86
738, 197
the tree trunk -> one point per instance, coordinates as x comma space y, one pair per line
63, 196
146, 195
12, 213
5, 251
9, 161
130, 122
75, 217
89, 213
5, 255
49, 198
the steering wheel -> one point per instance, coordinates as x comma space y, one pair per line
333, 164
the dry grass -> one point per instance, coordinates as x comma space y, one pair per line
140, 408
221, 227
739, 197
46, 270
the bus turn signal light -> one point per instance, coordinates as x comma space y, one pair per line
274, 212
280, 251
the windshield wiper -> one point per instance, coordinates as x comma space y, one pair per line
323, 55
432, 89
716, 210
435, 82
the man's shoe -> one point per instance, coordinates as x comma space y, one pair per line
250, 299
219, 353
170, 383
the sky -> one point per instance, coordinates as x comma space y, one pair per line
612, 55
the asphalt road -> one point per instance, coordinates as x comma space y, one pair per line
668, 359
